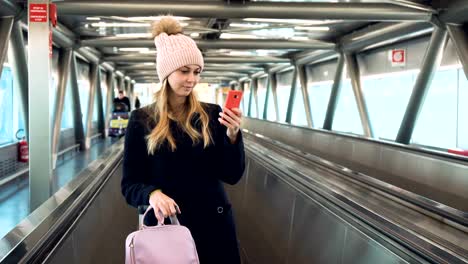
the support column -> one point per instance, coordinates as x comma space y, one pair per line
335, 93
6, 25
77, 113
460, 40
100, 111
274, 85
92, 97
109, 101
255, 80
353, 70
251, 96
65, 59
20, 71
305, 94
40, 154
430, 63
292, 96
267, 95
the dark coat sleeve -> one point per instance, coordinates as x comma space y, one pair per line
232, 155
134, 186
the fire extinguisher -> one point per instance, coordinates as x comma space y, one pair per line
23, 150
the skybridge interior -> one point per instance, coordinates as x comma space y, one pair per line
355, 125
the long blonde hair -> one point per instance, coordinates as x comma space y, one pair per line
162, 114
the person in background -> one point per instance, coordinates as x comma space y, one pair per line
179, 151
137, 102
123, 99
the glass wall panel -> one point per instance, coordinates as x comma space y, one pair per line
437, 122
298, 115
83, 88
261, 93
67, 116
347, 117
6, 106
284, 81
387, 97
53, 83
462, 110
319, 95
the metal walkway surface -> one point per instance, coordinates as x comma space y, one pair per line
14, 196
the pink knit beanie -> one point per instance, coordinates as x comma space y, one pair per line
174, 49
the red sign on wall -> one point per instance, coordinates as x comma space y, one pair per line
38, 13
398, 57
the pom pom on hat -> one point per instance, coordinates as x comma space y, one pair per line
174, 49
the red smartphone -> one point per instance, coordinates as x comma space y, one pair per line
233, 99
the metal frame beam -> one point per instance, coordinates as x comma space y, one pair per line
6, 25
292, 96
109, 100
213, 44
9, 8
145, 58
354, 74
267, 95
430, 63
460, 40
335, 93
305, 94
455, 13
65, 58
101, 117
383, 34
307, 10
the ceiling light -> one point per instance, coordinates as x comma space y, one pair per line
237, 36
299, 38
241, 25
275, 33
290, 21
134, 49
149, 63
240, 53
93, 18
313, 28
104, 24
134, 35
155, 18
195, 35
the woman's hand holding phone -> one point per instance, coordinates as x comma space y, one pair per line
164, 204
231, 118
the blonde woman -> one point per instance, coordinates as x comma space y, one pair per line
179, 151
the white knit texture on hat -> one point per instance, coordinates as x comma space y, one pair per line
175, 51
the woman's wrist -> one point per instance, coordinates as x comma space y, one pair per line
151, 193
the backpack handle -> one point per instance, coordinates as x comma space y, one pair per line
172, 218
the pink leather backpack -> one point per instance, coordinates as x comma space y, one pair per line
161, 244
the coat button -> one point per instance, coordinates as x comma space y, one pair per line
220, 210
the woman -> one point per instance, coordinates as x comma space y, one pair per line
179, 151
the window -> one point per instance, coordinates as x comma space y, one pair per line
347, 117
298, 115
462, 110
319, 96
437, 122
104, 89
261, 93
284, 81
387, 97
271, 112
6, 106
67, 115
83, 89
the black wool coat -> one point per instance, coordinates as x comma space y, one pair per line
192, 175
